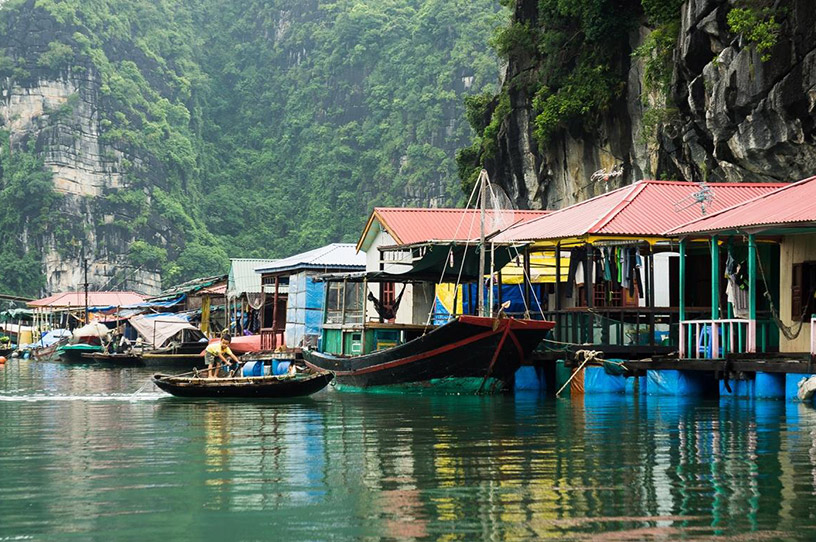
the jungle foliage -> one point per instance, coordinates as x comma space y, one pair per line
570, 58
262, 128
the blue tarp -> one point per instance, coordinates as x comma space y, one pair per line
597, 380
148, 305
304, 310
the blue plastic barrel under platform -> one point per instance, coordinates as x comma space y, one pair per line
636, 385
530, 378
597, 380
677, 383
562, 374
769, 386
739, 388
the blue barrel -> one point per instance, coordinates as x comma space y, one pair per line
253, 368
280, 367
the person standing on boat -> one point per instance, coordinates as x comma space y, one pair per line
216, 354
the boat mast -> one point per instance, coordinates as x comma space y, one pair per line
482, 194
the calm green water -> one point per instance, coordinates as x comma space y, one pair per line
82, 460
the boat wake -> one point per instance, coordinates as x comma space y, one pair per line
93, 398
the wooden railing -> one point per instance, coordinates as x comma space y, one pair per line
643, 327
715, 339
271, 338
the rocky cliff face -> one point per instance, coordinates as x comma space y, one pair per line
59, 120
730, 115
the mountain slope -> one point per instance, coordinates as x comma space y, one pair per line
176, 134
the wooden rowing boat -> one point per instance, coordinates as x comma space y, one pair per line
257, 387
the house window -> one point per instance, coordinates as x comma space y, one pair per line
803, 286
388, 295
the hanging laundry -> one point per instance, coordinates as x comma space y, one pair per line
576, 266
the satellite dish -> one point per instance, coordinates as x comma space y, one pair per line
704, 196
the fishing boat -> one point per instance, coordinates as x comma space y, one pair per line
126, 359
464, 354
252, 387
476, 351
46, 350
73, 353
169, 340
87, 339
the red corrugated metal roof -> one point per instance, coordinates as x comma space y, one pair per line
95, 299
645, 208
792, 204
411, 225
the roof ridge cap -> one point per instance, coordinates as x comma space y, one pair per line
636, 188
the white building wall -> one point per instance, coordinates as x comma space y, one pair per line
793, 249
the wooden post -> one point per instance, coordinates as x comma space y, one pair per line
558, 276
275, 313
752, 295
588, 276
499, 290
650, 298
715, 278
752, 270
455, 300
526, 278
682, 292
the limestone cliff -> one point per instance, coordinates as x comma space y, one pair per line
729, 114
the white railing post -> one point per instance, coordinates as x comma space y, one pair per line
813, 336
750, 340
710, 344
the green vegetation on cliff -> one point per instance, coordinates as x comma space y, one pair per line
261, 128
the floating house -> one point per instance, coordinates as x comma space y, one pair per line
761, 278
411, 230
293, 297
66, 310
620, 295
244, 294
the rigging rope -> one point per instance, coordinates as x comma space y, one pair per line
786, 330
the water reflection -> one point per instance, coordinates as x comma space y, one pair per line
80, 460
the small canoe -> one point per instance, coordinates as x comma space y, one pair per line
113, 359
257, 387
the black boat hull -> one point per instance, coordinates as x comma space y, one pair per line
123, 360
262, 387
468, 347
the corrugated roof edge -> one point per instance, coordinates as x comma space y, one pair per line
779, 189
572, 206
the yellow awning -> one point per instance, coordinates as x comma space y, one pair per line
542, 269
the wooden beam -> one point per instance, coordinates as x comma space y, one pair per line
715, 278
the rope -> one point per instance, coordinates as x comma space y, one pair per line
450, 251
787, 331
588, 356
